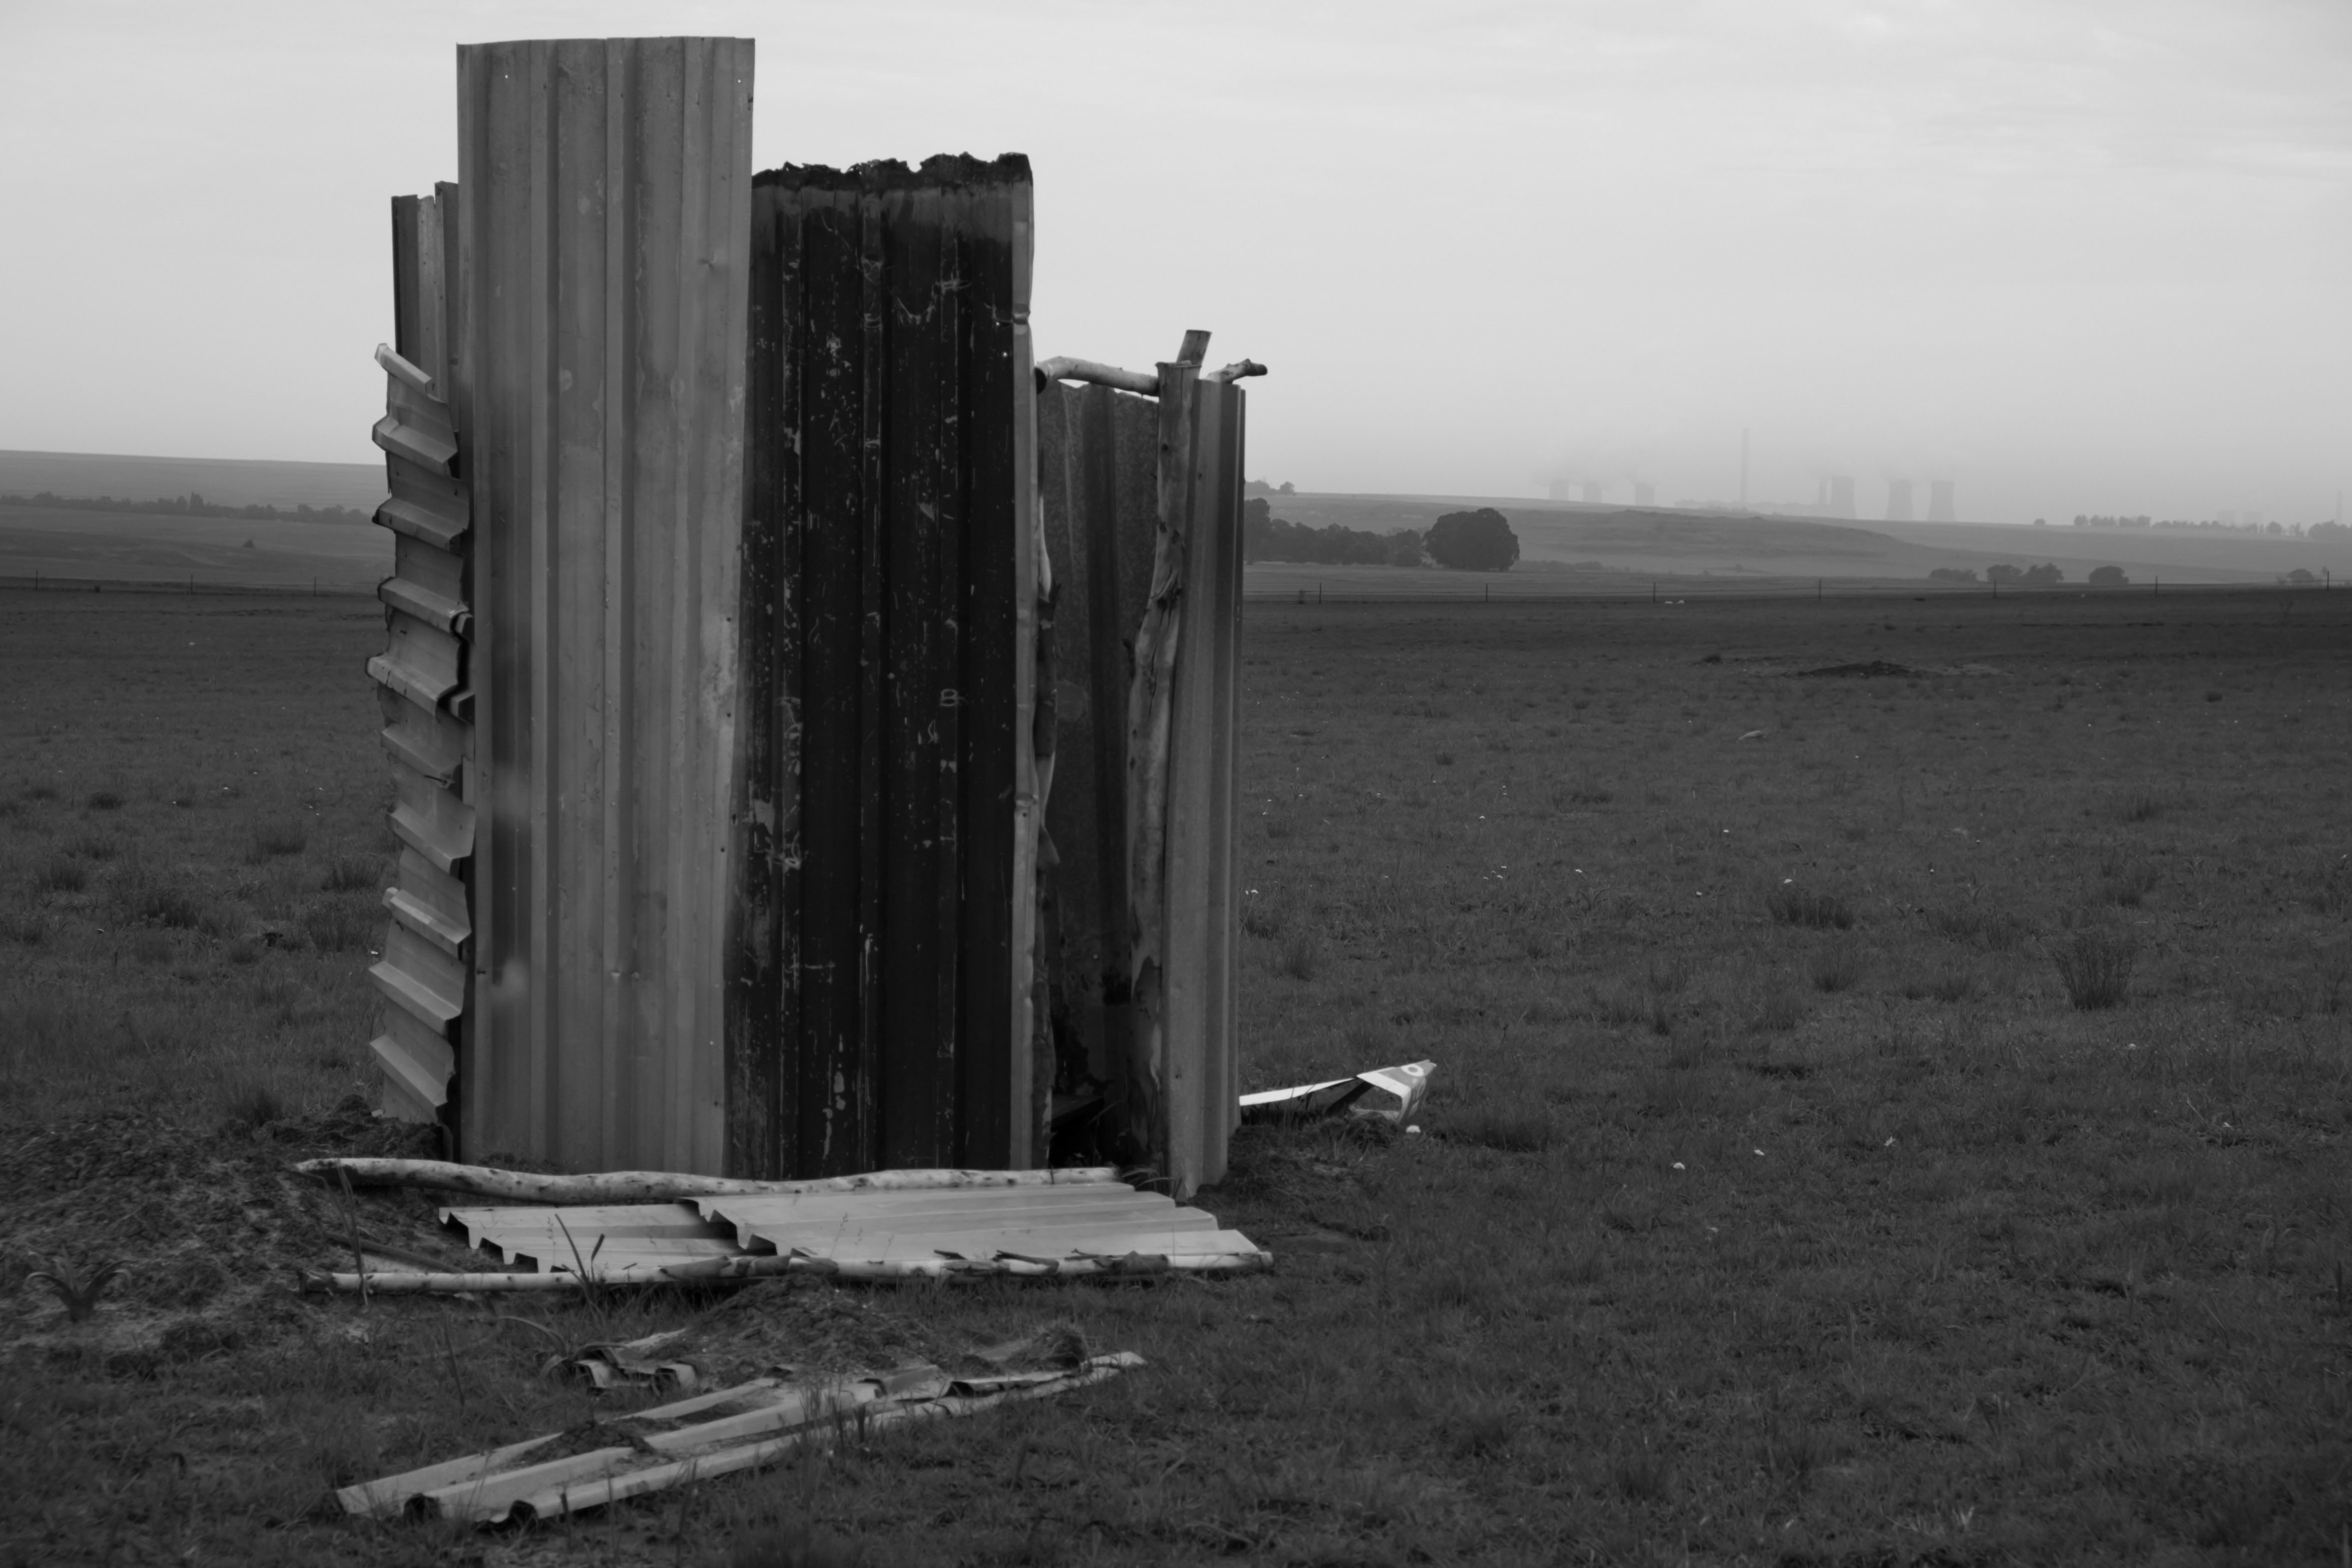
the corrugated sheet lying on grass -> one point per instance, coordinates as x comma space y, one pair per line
716, 1434
1060, 1228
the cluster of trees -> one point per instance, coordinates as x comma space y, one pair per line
1462, 541
1265, 537
2031, 576
191, 505
2209, 525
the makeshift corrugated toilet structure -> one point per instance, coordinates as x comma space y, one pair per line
812, 722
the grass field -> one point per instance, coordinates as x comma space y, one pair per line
1882, 1118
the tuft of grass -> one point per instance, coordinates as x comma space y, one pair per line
95, 847
2095, 968
1262, 917
1586, 791
1778, 1013
1514, 1129
147, 900
1301, 957
1995, 930
1836, 969
352, 874
2129, 884
251, 1104
152, 947
57, 875
2139, 808
103, 800
1792, 905
1642, 1475
1950, 984
336, 928
40, 792
271, 839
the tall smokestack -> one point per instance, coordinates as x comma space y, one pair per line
1898, 501
1939, 502
1840, 494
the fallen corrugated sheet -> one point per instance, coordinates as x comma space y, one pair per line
1406, 1084
715, 1433
1029, 1228
1062, 1229
657, 1187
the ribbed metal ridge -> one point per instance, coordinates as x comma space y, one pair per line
422, 675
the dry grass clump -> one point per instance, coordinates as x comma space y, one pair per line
1792, 905
271, 839
2095, 968
58, 873
2128, 883
1994, 930
103, 800
1514, 1129
1948, 985
352, 874
1836, 969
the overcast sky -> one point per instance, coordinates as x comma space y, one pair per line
2076, 257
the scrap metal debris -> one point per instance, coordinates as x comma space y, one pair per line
1407, 1084
1092, 1226
738, 1428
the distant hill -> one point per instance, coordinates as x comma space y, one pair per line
1665, 539
224, 481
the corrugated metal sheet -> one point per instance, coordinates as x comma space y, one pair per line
1200, 1066
736, 1428
1068, 1223
881, 1013
604, 212
421, 676
1098, 460
1141, 502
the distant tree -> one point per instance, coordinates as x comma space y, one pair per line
1952, 574
2330, 532
2041, 523
1265, 537
1472, 541
2301, 577
1284, 489
2108, 576
2044, 576
2004, 572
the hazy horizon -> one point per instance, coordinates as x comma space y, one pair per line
2080, 258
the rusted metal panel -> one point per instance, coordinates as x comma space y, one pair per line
879, 1011
1142, 514
1098, 503
603, 211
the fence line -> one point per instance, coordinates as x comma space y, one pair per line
1668, 590
319, 588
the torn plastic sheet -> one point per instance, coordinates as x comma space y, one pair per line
715, 1433
1405, 1085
